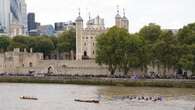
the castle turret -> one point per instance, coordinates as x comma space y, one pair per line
79, 27
118, 18
121, 22
125, 21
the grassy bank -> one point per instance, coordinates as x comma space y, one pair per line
102, 81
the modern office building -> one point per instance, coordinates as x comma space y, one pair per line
31, 21
24, 16
46, 30
60, 27
33, 25
12, 17
4, 15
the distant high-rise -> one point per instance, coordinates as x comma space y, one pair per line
12, 13
24, 16
5, 15
59, 26
31, 21
47, 30
62, 26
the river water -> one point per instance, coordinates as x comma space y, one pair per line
61, 97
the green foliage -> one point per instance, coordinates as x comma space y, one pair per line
108, 49
67, 41
133, 53
19, 42
151, 32
43, 44
39, 44
120, 50
186, 35
4, 43
63, 43
166, 50
186, 62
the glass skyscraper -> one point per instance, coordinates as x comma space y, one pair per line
4, 15
13, 18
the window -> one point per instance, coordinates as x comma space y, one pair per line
85, 53
30, 64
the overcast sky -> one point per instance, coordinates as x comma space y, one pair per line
172, 14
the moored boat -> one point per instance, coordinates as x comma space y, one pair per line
28, 98
87, 101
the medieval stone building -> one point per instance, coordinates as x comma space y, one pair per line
10, 61
86, 37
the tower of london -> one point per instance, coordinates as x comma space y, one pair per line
86, 37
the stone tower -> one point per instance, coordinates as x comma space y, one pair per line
121, 22
118, 18
79, 28
124, 21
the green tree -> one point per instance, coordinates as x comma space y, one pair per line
67, 41
120, 50
54, 40
4, 43
186, 35
150, 32
186, 38
20, 42
167, 51
133, 54
108, 49
43, 44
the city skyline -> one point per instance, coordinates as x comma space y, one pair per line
172, 14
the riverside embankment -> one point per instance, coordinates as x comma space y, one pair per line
178, 83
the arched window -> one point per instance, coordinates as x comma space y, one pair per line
85, 53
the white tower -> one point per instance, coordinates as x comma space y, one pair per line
118, 18
121, 22
125, 21
79, 28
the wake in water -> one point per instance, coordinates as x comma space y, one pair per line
139, 98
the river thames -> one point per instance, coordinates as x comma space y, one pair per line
61, 97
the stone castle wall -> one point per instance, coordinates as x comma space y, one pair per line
24, 63
68, 67
17, 62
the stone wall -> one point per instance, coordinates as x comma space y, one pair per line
69, 67
24, 62
14, 60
